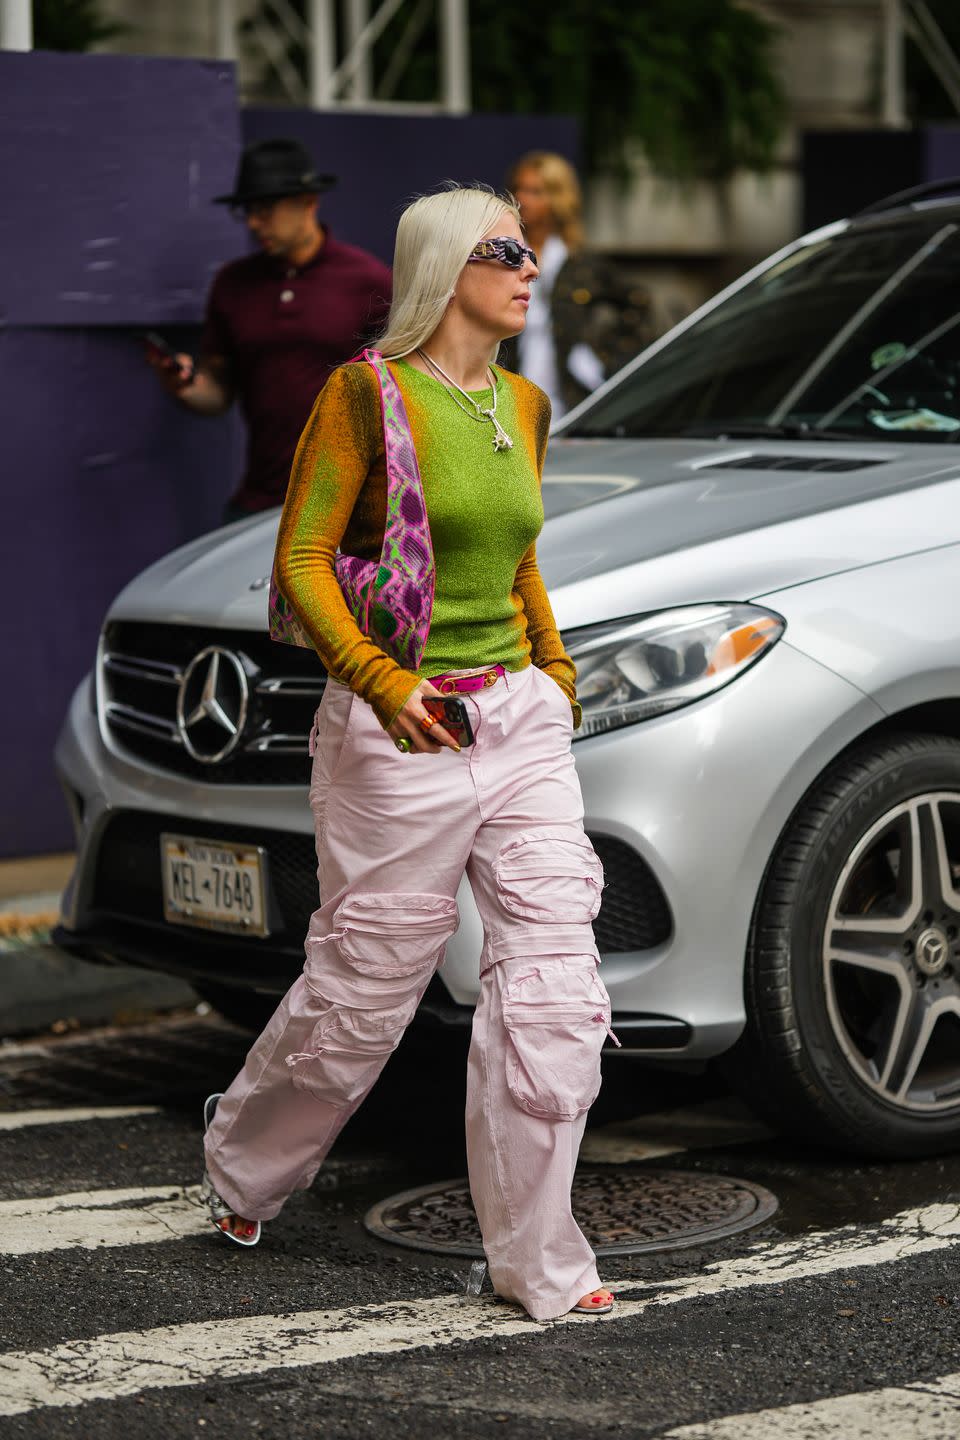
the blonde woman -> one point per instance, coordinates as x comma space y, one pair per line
401, 811
583, 323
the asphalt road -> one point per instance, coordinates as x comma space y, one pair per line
122, 1314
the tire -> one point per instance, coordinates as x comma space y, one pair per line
246, 1008
851, 978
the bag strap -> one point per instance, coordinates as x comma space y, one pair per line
407, 556
401, 455
403, 469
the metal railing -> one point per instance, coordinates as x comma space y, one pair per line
16, 25
343, 73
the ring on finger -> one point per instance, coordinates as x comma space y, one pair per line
428, 722
403, 745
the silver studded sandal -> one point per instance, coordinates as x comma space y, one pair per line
216, 1205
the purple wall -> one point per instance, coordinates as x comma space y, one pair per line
107, 169
106, 163
942, 147
92, 492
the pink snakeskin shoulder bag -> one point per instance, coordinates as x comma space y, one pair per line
391, 599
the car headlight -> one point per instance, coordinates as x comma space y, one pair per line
630, 670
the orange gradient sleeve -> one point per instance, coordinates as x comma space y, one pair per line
546, 647
340, 448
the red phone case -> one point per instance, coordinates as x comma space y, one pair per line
452, 715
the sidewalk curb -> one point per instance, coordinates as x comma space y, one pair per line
41, 984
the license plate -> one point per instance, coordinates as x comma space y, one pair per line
213, 884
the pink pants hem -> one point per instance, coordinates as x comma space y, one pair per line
555, 1310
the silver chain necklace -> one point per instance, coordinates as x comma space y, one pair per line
501, 440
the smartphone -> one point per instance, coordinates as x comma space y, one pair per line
452, 715
155, 342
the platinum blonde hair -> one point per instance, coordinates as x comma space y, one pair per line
434, 238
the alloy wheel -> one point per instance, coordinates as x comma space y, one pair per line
891, 955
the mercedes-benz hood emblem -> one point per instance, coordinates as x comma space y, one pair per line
212, 705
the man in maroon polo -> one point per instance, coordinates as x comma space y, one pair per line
279, 321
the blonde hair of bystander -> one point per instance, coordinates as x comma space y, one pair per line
563, 192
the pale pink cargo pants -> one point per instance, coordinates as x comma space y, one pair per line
394, 835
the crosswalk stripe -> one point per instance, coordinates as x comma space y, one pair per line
23, 1119
852, 1247
92, 1219
925, 1410
110, 1366
126, 1364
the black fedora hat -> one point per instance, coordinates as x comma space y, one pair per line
272, 169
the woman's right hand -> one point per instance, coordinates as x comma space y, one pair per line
407, 724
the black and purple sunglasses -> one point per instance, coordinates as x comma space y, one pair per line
505, 249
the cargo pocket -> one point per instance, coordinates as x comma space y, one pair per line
556, 1020
347, 1051
394, 934
551, 874
368, 974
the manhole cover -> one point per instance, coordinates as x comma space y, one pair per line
622, 1214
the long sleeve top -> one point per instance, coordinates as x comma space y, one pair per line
485, 513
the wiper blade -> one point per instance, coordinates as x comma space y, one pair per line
788, 430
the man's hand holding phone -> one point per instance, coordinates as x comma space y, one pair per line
432, 739
175, 368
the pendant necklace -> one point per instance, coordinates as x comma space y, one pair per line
501, 440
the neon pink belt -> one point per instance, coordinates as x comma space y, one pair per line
464, 684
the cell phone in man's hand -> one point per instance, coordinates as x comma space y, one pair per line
452, 715
165, 353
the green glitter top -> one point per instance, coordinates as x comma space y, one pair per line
485, 513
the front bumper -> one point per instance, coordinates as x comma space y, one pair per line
689, 805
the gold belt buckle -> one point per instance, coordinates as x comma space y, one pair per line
448, 687
490, 678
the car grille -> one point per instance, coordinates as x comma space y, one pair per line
141, 668
634, 914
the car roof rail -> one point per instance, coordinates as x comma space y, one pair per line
916, 192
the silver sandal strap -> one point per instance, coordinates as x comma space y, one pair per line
218, 1207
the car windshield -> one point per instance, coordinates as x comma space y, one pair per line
855, 336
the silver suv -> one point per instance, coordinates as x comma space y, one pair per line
752, 551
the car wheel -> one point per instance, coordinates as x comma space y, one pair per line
852, 988
247, 1008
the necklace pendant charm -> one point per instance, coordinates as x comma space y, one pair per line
501, 440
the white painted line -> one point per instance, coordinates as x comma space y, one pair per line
852, 1247
715, 1124
94, 1219
111, 1366
18, 1050
926, 1410
117, 1365
22, 1119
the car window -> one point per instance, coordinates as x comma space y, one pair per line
857, 334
